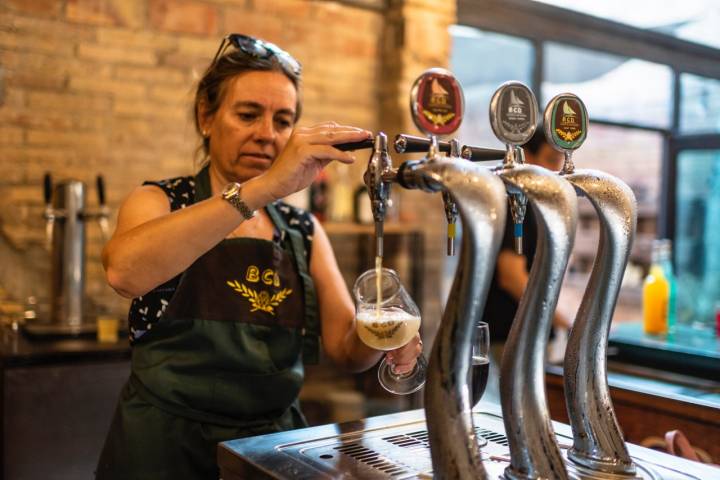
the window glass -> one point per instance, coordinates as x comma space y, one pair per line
610, 85
697, 242
696, 20
699, 104
482, 61
635, 157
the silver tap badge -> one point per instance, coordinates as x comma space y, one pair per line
437, 102
566, 122
513, 113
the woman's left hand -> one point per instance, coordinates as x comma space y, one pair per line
403, 359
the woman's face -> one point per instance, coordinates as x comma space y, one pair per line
252, 125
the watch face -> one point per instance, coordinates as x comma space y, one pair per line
231, 189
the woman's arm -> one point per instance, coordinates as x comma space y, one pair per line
152, 245
337, 314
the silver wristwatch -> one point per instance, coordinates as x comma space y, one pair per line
231, 193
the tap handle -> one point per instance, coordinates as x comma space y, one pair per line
100, 182
412, 144
49, 213
47, 188
513, 116
481, 154
367, 143
437, 102
565, 122
103, 213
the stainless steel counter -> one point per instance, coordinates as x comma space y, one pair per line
396, 446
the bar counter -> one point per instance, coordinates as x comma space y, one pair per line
395, 446
58, 397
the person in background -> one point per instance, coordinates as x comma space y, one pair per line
512, 270
231, 287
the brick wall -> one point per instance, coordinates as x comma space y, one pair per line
104, 86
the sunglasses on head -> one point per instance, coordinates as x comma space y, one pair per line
258, 49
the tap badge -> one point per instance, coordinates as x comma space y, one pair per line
566, 122
437, 102
513, 113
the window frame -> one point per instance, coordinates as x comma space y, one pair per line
541, 23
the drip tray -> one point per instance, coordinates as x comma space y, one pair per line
398, 452
397, 447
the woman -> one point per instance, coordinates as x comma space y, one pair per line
231, 286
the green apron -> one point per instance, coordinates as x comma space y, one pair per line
224, 362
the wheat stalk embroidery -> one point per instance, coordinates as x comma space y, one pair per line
568, 136
438, 119
262, 300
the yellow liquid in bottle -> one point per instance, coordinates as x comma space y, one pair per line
656, 294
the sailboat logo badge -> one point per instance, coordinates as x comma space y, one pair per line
569, 115
440, 104
515, 106
568, 122
438, 95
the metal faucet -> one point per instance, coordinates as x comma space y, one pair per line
411, 144
478, 197
598, 443
377, 178
534, 451
65, 216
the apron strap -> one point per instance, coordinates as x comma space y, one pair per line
202, 184
311, 328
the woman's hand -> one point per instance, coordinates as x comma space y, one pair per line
403, 359
308, 151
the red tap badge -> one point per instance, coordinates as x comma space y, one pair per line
437, 102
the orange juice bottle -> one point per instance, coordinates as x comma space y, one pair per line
656, 296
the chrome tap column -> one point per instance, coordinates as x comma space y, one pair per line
66, 217
598, 442
480, 198
68, 260
534, 450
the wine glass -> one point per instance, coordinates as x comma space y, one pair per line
480, 361
388, 321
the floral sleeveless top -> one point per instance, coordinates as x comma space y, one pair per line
148, 309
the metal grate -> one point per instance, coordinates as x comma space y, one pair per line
372, 459
420, 438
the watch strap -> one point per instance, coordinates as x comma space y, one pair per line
232, 195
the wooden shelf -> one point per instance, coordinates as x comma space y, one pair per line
350, 228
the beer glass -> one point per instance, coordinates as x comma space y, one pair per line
480, 361
386, 318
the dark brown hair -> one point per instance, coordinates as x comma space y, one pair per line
537, 141
212, 86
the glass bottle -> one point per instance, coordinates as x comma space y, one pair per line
656, 294
665, 261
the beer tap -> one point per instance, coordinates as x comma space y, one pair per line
516, 124
451, 209
48, 213
480, 199
411, 144
598, 444
534, 451
103, 212
378, 177
65, 214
